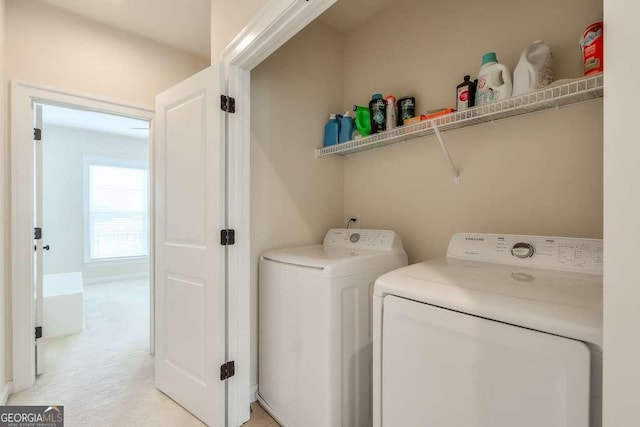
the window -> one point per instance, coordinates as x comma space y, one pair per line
117, 210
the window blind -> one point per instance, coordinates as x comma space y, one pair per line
118, 212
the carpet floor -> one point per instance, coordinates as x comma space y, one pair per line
104, 375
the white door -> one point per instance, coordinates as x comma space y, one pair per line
190, 262
442, 368
38, 279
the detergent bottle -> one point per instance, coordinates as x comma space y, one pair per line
494, 81
534, 70
363, 120
332, 130
347, 127
378, 111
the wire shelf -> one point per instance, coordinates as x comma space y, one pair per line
573, 92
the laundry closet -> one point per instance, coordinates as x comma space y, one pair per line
537, 174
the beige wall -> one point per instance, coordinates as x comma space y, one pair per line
56, 49
4, 283
295, 198
425, 48
622, 216
228, 18
539, 174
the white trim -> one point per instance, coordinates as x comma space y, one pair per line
274, 414
116, 162
22, 194
274, 25
6, 392
62, 98
239, 272
122, 277
23, 95
152, 240
251, 39
39, 248
253, 393
124, 260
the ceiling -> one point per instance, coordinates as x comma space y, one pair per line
95, 121
183, 24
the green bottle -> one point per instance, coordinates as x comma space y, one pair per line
363, 120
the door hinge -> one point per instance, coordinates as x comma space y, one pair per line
37, 233
227, 370
227, 237
38, 332
227, 104
37, 134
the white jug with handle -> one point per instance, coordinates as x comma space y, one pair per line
534, 70
494, 81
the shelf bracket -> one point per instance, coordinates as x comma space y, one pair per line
456, 173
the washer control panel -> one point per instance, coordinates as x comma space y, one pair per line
380, 240
560, 253
523, 250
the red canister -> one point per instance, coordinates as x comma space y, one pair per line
592, 45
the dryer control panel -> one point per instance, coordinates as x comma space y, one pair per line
556, 253
379, 240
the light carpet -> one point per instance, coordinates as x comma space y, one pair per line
104, 375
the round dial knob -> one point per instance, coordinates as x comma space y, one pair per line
522, 250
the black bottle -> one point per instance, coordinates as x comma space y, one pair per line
406, 109
465, 94
378, 111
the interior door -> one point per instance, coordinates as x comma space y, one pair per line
38, 242
190, 262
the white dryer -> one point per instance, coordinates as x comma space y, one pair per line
505, 331
315, 331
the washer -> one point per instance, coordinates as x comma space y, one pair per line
505, 331
315, 329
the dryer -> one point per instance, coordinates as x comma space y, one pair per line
315, 327
505, 331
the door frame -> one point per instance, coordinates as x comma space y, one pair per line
22, 96
276, 23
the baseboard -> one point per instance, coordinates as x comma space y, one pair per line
6, 392
270, 411
121, 278
252, 393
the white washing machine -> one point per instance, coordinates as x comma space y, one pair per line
315, 327
505, 331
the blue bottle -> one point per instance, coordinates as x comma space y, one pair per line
332, 131
347, 126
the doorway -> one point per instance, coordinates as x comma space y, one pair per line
92, 210
86, 183
255, 43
